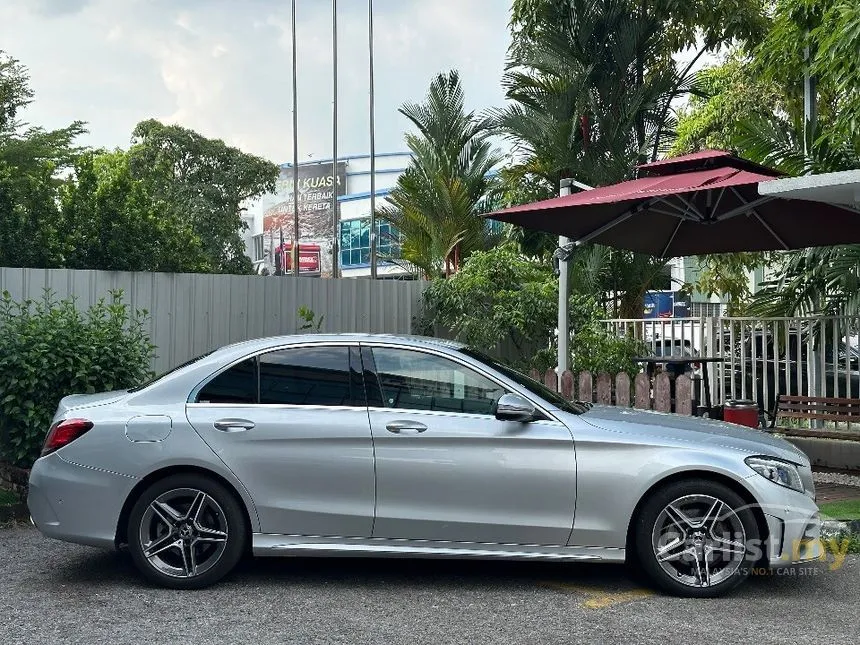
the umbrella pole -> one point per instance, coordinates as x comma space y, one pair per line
563, 289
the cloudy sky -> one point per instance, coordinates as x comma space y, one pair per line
222, 67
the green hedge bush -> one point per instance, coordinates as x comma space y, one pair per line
49, 349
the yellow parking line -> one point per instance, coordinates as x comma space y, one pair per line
598, 598
604, 600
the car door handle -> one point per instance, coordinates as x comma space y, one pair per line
405, 426
233, 425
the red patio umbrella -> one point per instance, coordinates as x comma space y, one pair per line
697, 204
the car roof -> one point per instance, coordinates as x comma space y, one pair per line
404, 339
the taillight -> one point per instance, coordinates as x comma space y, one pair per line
63, 433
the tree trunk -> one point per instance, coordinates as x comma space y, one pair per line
640, 81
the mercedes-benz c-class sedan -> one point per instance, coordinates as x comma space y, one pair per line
368, 445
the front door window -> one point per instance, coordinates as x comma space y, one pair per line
416, 381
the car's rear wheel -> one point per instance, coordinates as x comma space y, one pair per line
186, 531
696, 538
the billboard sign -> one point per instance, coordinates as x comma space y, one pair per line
316, 183
666, 304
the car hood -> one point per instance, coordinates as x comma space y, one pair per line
678, 428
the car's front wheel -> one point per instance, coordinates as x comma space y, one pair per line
186, 531
696, 538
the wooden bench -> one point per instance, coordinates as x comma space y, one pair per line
813, 408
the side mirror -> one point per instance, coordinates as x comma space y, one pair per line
513, 407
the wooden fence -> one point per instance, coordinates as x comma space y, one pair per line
621, 391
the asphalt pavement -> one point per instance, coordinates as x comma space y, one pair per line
51, 592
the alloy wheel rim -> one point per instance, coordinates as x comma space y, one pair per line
183, 533
699, 540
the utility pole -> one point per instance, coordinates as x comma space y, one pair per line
373, 245
563, 325
810, 116
565, 248
335, 216
295, 246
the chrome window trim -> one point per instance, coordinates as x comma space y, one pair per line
278, 406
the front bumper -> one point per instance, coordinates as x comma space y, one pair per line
794, 526
76, 503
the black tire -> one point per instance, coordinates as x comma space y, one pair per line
187, 540
693, 494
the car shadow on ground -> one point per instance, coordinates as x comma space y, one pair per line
116, 569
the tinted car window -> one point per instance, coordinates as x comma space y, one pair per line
306, 376
530, 384
417, 381
235, 385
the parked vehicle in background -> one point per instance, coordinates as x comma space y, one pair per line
673, 348
373, 445
769, 368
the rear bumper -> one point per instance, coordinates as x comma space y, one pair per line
75, 503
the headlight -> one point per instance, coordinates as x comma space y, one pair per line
779, 472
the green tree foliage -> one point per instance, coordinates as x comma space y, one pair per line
596, 350
205, 182
817, 281
575, 99
108, 220
28, 217
727, 275
498, 295
729, 94
30, 158
51, 349
755, 105
617, 278
172, 203
586, 61
24, 147
437, 199
503, 303
592, 85
15, 91
830, 29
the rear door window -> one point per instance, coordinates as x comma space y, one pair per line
307, 376
237, 384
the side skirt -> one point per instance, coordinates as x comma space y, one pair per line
265, 544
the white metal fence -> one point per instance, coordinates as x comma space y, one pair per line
194, 313
760, 358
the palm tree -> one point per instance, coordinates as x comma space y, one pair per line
818, 281
436, 201
823, 280
576, 96
579, 107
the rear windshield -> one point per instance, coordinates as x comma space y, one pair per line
155, 380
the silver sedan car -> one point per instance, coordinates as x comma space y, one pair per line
369, 445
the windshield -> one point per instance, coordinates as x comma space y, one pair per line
668, 348
538, 389
152, 381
